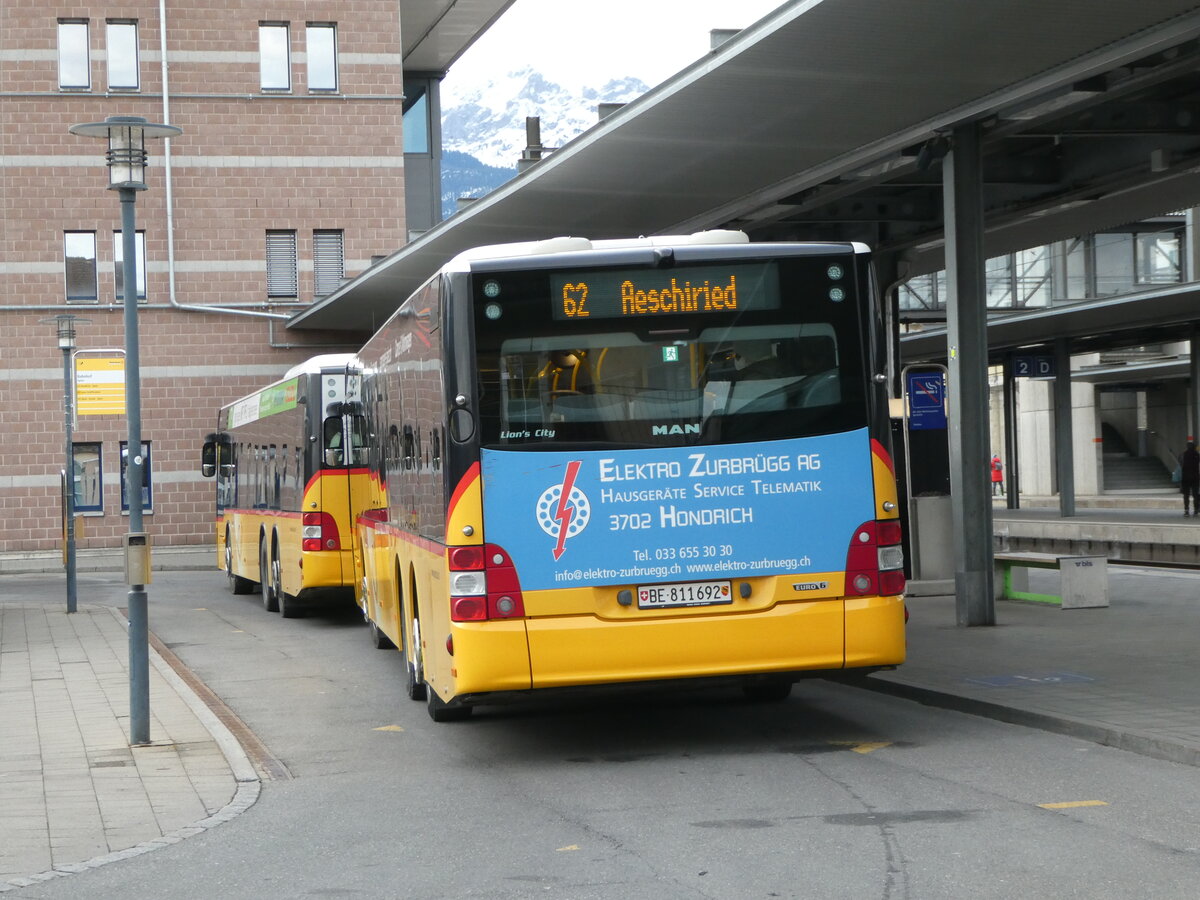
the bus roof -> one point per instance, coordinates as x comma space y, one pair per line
562, 245
316, 364
462, 261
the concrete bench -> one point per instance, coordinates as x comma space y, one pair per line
1083, 580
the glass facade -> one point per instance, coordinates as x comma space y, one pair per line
1107, 264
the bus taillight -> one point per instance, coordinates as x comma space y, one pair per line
320, 532
875, 559
483, 584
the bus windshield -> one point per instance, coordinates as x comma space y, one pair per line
778, 368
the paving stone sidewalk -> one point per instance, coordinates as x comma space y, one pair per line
73, 793
1124, 675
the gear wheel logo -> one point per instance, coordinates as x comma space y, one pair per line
563, 510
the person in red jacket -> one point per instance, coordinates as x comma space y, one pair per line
997, 477
1189, 479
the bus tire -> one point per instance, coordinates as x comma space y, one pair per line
767, 690
237, 584
379, 640
441, 711
410, 638
270, 599
289, 607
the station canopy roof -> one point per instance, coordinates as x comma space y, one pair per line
827, 120
435, 33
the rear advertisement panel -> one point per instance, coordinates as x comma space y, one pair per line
683, 514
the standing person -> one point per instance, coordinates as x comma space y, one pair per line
1189, 479
998, 477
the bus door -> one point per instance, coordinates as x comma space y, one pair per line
344, 448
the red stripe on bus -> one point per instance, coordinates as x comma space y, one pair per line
884, 456
330, 473
274, 513
467, 480
409, 538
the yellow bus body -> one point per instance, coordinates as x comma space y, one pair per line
330, 492
573, 637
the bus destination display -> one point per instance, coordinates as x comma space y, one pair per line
644, 293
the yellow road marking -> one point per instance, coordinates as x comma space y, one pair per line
862, 746
1072, 804
564, 849
868, 747
388, 728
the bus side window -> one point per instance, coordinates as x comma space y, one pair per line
332, 443
360, 441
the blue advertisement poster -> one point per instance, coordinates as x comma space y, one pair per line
680, 513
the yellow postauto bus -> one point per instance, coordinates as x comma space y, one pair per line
605, 462
289, 467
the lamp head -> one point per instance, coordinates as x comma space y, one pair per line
126, 155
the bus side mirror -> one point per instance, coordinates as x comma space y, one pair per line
208, 459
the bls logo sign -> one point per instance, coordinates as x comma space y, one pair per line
563, 509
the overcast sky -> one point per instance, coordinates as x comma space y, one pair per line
576, 44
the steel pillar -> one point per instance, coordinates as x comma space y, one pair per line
1012, 480
1064, 432
966, 335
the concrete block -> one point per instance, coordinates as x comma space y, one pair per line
1084, 581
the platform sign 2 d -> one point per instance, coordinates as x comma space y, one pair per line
926, 401
1033, 367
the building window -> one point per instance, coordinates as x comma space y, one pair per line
274, 57
1158, 258
328, 262
147, 481
88, 477
121, 47
1114, 259
139, 264
321, 52
416, 121
79, 252
282, 280
74, 61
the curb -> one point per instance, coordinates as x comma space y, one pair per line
88, 562
1131, 741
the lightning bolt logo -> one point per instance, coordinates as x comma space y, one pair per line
563, 509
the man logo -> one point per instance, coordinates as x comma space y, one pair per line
689, 428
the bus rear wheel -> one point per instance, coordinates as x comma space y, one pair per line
410, 639
270, 599
237, 584
379, 640
767, 690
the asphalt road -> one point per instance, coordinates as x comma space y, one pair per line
834, 793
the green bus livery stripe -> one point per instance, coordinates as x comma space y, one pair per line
275, 399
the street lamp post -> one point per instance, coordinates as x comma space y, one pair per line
65, 326
126, 159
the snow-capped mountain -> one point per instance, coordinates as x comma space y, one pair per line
485, 125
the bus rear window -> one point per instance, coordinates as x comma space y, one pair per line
785, 366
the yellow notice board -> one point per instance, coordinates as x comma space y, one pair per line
100, 384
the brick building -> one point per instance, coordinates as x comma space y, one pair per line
287, 178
